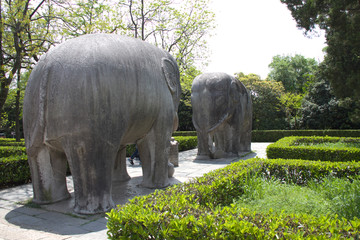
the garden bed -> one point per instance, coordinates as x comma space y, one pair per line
204, 208
334, 149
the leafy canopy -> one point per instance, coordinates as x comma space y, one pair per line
265, 96
295, 72
340, 19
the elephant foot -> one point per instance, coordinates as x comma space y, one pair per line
94, 206
51, 199
202, 157
122, 177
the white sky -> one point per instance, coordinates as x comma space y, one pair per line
250, 32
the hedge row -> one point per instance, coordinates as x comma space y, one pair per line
274, 135
186, 142
289, 148
9, 151
11, 142
203, 208
14, 170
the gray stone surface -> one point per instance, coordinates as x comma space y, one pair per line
222, 115
88, 98
174, 152
56, 221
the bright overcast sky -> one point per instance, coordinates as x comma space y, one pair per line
250, 32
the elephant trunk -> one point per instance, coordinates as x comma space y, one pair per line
223, 120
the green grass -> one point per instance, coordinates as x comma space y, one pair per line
332, 196
335, 145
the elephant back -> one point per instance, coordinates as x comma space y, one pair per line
94, 81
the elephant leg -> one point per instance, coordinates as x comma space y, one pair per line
48, 175
120, 173
203, 146
245, 141
154, 152
91, 163
220, 145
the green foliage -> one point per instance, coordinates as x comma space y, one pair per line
180, 27
186, 142
203, 208
320, 109
295, 72
185, 111
293, 147
86, 17
26, 32
341, 194
184, 133
328, 197
7, 151
14, 170
291, 104
272, 195
274, 135
265, 96
11, 142
340, 20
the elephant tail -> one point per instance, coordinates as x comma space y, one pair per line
34, 110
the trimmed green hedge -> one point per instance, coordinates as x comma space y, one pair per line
8, 151
186, 142
11, 142
14, 170
289, 148
203, 208
274, 135
184, 133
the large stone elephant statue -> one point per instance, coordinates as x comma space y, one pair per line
87, 99
222, 115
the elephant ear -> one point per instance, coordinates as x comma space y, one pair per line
171, 74
237, 90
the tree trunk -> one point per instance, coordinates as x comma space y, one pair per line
17, 108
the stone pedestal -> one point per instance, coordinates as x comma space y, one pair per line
174, 152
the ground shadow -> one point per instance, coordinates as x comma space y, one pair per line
59, 217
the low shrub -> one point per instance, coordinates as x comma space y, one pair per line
184, 133
274, 135
186, 142
8, 151
203, 208
11, 142
296, 147
14, 170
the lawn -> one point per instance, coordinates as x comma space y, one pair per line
331, 196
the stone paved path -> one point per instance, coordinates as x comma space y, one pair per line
57, 221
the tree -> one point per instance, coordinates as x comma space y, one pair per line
293, 71
25, 33
12, 112
291, 105
322, 110
265, 95
85, 17
340, 19
179, 27
185, 107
